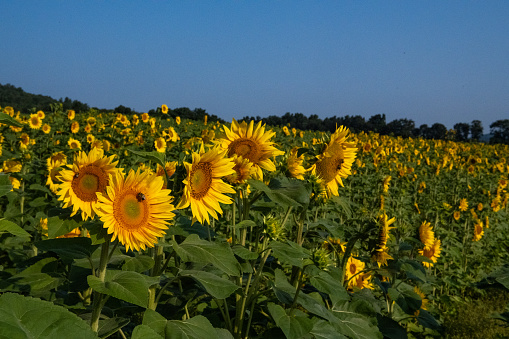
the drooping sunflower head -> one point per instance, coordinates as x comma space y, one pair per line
88, 175
381, 257
426, 234
294, 163
383, 231
253, 143
335, 163
203, 187
136, 208
35, 121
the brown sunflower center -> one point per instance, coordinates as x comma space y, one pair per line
131, 211
327, 167
353, 268
246, 148
88, 181
201, 179
34, 120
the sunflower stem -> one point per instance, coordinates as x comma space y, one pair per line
99, 299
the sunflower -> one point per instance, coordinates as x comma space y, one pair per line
456, 215
177, 120
164, 109
387, 181
54, 168
71, 114
252, 143
25, 139
424, 300
433, 253
41, 115
160, 145
15, 183
91, 121
88, 175
90, 138
145, 117
336, 161
75, 127
243, 170
294, 163
35, 122
73, 143
426, 234
46, 128
363, 281
88, 128
383, 232
170, 167
478, 231
11, 166
381, 257
463, 205
353, 268
204, 189
135, 209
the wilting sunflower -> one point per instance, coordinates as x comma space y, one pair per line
433, 253
251, 142
426, 234
335, 163
88, 175
160, 145
75, 127
35, 122
478, 231
204, 189
135, 209
73, 143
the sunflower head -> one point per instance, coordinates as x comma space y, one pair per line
88, 175
426, 234
252, 143
35, 121
243, 170
203, 187
136, 208
432, 253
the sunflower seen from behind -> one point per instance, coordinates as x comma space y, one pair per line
252, 143
335, 163
203, 187
88, 175
136, 208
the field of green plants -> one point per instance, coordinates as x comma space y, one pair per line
147, 226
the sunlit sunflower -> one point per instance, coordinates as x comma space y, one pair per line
332, 244
204, 189
74, 144
160, 145
251, 142
478, 231
164, 109
335, 163
71, 114
243, 170
294, 163
363, 281
90, 138
88, 128
383, 231
170, 167
353, 268
75, 127
145, 117
91, 121
41, 115
11, 166
136, 209
46, 128
433, 253
463, 205
456, 215
88, 175
177, 120
25, 139
15, 183
381, 256
35, 122
426, 234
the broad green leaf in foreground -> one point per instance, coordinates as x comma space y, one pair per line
8, 120
30, 318
5, 184
125, 285
292, 327
7, 226
203, 251
216, 286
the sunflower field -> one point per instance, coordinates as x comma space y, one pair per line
146, 226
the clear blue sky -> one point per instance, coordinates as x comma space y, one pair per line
430, 61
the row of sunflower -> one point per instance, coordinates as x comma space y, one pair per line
269, 217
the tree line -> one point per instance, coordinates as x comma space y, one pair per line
463, 131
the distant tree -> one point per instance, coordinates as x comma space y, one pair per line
424, 131
437, 131
401, 127
476, 130
122, 109
500, 132
462, 130
377, 123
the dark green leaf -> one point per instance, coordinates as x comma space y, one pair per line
140, 263
58, 227
289, 253
27, 317
216, 286
7, 226
8, 120
245, 224
68, 248
292, 326
390, 328
5, 184
273, 195
154, 156
244, 253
